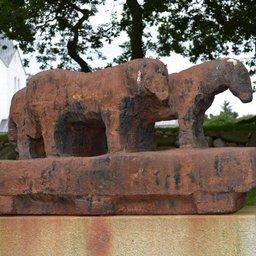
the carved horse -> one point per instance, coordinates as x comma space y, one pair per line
192, 92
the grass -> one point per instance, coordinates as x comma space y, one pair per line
3, 137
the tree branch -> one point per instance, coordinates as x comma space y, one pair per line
77, 8
72, 46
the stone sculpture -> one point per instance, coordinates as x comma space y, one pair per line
57, 114
63, 113
73, 113
192, 92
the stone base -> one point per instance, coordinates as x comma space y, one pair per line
187, 181
185, 235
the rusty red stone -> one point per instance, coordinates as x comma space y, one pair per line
166, 182
112, 113
68, 113
192, 92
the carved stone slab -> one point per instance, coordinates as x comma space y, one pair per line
167, 182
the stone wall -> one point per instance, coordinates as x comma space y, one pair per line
7, 150
168, 138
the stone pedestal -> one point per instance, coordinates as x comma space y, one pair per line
192, 181
183, 235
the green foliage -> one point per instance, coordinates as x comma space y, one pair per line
226, 117
227, 120
247, 119
219, 120
207, 29
229, 127
251, 198
227, 109
61, 31
57, 30
3, 137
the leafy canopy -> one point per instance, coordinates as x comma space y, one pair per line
207, 28
62, 30
58, 30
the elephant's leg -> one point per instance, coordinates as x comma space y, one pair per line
23, 146
140, 137
48, 130
111, 120
49, 142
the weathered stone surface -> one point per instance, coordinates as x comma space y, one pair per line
164, 182
218, 235
192, 92
67, 113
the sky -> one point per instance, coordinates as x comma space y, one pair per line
175, 63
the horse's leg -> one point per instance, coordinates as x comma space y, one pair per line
191, 129
186, 137
198, 131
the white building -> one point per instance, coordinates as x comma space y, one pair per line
12, 77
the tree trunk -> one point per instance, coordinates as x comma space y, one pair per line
72, 51
72, 45
136, 32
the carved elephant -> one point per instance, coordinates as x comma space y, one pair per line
192, 92
17, 128
87, 114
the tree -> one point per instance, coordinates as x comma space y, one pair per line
226, 116
227, 109
136, 18
199, 29
205, 29
58, 30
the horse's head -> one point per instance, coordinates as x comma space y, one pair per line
238, 79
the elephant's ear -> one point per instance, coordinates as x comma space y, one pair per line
155, 78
